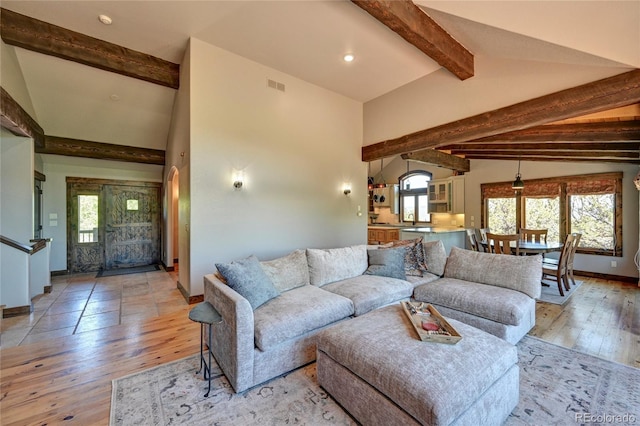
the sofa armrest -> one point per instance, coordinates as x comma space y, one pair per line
233, 337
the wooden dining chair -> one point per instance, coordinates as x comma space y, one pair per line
558, 272
572, 253
534, 235
471, 238
504, 244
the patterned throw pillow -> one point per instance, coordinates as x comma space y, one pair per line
411, 264
247, 277
421, 257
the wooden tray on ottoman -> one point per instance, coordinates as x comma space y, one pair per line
419, 313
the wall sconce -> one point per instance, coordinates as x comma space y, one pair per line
238, 180
346, 189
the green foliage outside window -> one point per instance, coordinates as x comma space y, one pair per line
593, 217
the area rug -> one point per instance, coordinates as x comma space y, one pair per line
552, 295
558, 386
126, 271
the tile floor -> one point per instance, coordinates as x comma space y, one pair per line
80, 303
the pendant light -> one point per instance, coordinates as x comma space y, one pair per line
369, 179
382, 184
518, 184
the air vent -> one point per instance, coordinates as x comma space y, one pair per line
275, 85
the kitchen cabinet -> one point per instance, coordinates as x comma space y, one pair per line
447, 195
457, 195
378, 235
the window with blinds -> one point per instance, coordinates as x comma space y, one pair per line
588, 204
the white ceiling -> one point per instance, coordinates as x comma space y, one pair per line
303, 38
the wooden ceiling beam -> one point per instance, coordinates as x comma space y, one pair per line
554, 159
42, 37
596, 131
16, 120
411, 23
104, 151
612, 92
524, 146
555, 153
440, 159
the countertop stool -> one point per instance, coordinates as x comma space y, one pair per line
205, 313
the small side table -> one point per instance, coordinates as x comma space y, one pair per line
205, 313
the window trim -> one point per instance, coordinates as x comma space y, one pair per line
500, 189
415, 192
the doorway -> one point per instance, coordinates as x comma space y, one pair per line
112, 224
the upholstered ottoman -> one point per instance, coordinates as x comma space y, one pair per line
381, 373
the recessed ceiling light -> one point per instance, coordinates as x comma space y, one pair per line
348, 57
114, 97
105, 19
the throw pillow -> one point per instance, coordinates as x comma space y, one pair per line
435, 255
288, 272
336, 264
247, 277
412, 266
387, 262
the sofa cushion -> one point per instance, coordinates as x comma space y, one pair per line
386, 263
331, 265
297, 312
435, 256
247, 277
369, 292
288, 272
426, 277
498, 304
521, 273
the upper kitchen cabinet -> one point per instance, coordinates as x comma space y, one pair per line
447, 195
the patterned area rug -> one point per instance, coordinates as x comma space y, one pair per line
557, 386
552, 295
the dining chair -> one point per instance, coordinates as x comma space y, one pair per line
481, 236
471, 238
504, 244
558, 272
534, 235
572, 254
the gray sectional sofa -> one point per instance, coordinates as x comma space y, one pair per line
272, 331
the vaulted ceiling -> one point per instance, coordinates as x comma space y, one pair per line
307, 39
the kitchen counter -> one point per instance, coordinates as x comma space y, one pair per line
433, 229
421, 229
449, 235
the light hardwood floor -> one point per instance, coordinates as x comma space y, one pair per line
67, 380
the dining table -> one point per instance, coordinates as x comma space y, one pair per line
529, 247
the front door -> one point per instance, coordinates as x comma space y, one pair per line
132, 235
112, 224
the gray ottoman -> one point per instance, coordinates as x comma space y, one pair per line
381, 373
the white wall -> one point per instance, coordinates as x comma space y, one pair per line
441, 98
296, 149
57, 169
178, 154
12, 80
16, 216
